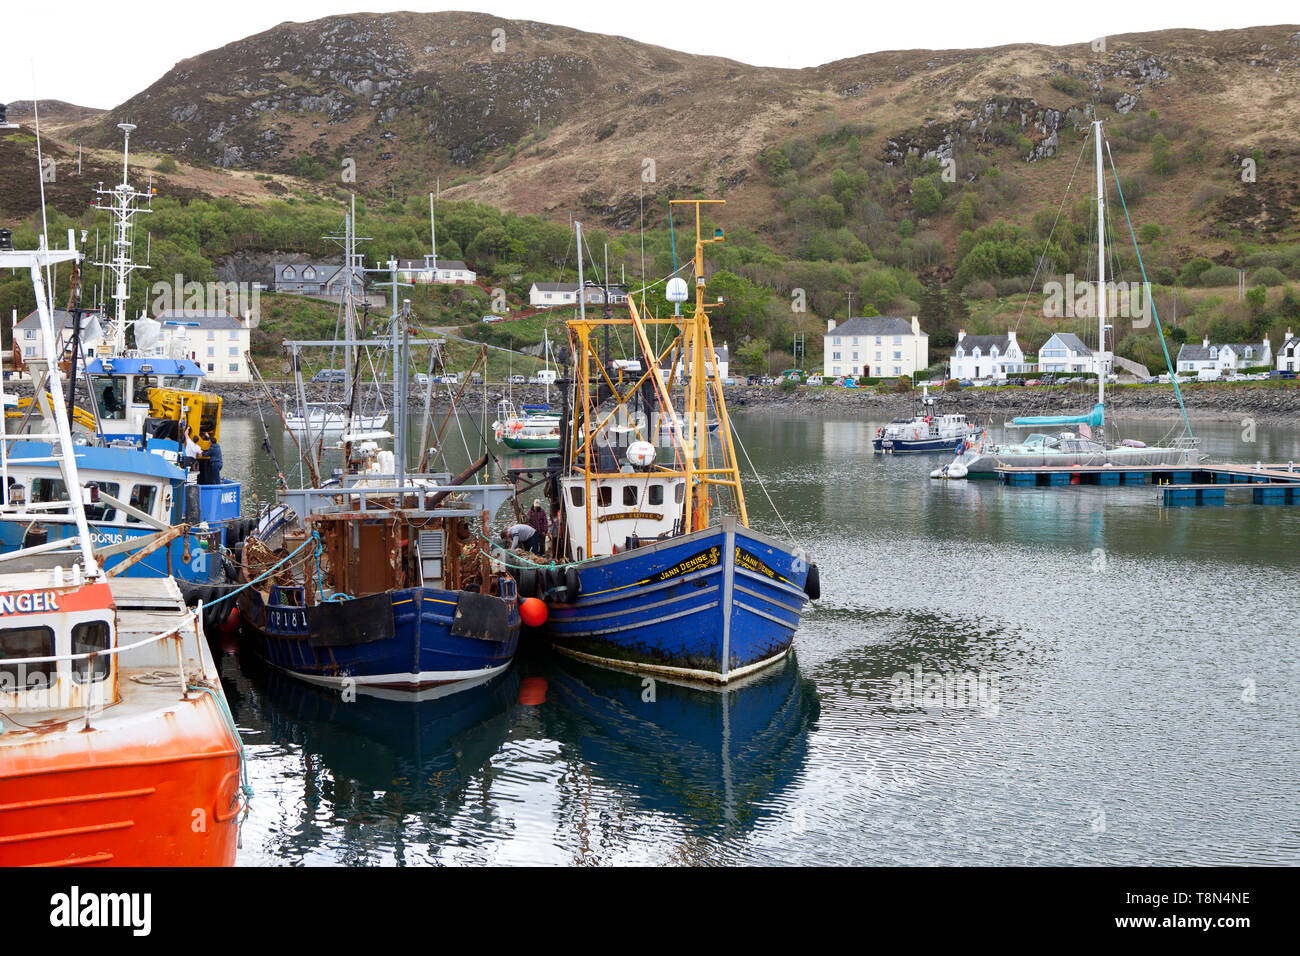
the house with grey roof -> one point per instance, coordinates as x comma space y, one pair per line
31, 348
879, 346
553, 293
1066, 352
218, 341
1288, 354
987, 356
430, 271
315, 278
1226, 357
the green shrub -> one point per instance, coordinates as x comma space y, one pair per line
1218, 276
1268, 276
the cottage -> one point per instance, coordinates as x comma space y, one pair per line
720, 368
987, 356
435, 271
31, 348
1288, 354
544, 294
593, 293
316, 278
1065, 352
1231, 356
216, 340
877, 346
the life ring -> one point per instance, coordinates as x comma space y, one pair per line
516, 427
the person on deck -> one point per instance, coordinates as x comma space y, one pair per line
522, 535
537, 518
189, 461
210, 462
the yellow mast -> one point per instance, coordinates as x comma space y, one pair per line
694, 345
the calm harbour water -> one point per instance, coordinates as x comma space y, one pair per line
1139, 665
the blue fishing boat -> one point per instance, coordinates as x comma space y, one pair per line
381, 580
654, 577
135, 505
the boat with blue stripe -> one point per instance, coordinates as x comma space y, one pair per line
713, 605
655, 567
412, 639
131, 495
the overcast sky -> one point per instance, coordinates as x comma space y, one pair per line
70, 44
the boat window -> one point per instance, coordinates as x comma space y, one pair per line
576, 496
656, 494
186, 383
630, 495
50, 489
140, 391
110, 394
679, 493
605, 496
26, 642
86, 637
142, 498
103, 511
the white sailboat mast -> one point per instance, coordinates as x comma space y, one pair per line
1101, 270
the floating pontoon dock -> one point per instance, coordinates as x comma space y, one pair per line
1202, 484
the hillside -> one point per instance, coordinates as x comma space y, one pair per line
928, 180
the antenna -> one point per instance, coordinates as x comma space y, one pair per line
122, 205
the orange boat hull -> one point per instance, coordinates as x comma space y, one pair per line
159, 788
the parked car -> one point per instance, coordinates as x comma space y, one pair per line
330, 375
422, 379
815, 380
1033, 381
728, 381
518, 380
767, 380
493, 318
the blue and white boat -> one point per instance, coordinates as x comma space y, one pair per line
383, 580
654, 579
130, 496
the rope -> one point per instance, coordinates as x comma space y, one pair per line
759, 478
223, 707
1173, 375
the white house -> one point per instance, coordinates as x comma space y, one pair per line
27, 334
879, 346
987, 356
1065, 352
553, 293
1288, 354
719, 369
1230, 356
216, 340
441, 271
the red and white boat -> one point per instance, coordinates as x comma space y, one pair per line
116, 743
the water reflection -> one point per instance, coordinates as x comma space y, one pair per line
717, 761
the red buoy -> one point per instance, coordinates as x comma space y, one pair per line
532, 691
533, 611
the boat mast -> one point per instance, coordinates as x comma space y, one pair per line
1101, 271
585, 392
121, 204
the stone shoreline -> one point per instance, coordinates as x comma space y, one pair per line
1266, 404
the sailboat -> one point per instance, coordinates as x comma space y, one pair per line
1085, 445
650, 579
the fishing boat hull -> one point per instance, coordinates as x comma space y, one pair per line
712, 606
531, 444
409, 639
334, 424
143, 787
